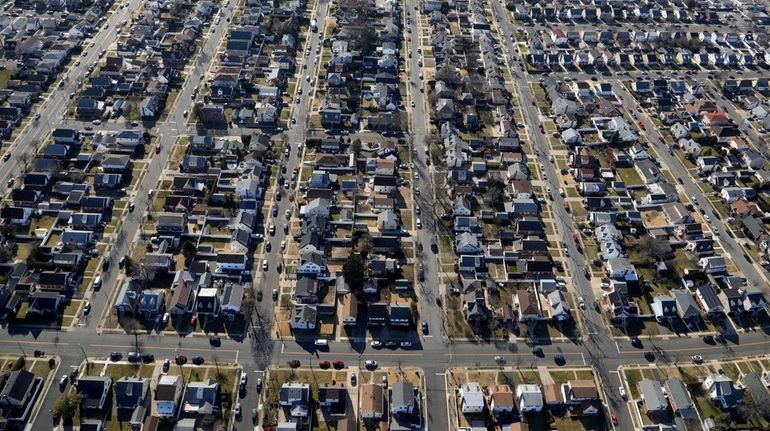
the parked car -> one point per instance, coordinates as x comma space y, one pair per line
338, 364
180, 359
116, 356
324, 364
197, 360
294, 363
622, 391
371, 364
376, 343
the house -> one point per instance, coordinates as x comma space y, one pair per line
312, 264
130, 395
334, 397
18, 389
581, 397
127, 297
232, 298
529, 398
679, 397
686, 306
400, 315
664, 308
655, 402
558, 307
304, 317
348, 309
151, 303
709, 300
168, 394
732, 301
753, 300
722, 391
501, 400
372, 398
471, 398
171, 223
712, 264
388, 222
200, 398
402, 401
296, 398
94, 391
183, 298
231, 262
306, 290
208, 302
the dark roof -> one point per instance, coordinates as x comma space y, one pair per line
18, 385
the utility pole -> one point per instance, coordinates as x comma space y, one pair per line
85, 357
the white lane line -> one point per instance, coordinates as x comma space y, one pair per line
583, 357
617, 346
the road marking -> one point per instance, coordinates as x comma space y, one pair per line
583, 358
441, 374
617, 346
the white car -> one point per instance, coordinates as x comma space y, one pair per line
581, 302
622, 391
706, 217
244, 378
376, 343
697, 359
406, 344
419, 223
96, 122
371, 364
166, 316
272, 229
238, 410
264, 265
283, 245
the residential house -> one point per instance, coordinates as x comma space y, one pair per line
200, 398
372, 399
168, 395
722, 391
655, 402
94, 391
529, 398
130, 395
296, 398
471, 398
680, 399
402, 400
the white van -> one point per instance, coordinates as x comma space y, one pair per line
322, 342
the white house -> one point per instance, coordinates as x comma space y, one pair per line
472, 398
529, 398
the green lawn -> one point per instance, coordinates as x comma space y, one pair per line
629, 176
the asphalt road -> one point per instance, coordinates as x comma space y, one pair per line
429, 289
596, 338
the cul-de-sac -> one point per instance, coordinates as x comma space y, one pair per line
460, 215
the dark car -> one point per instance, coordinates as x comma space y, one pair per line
559, 360
180, 359
259, 295
148, 357
294, 363
338, 365
324, 364
197, 360
116, 356
650, 356
636, 343
708, 339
